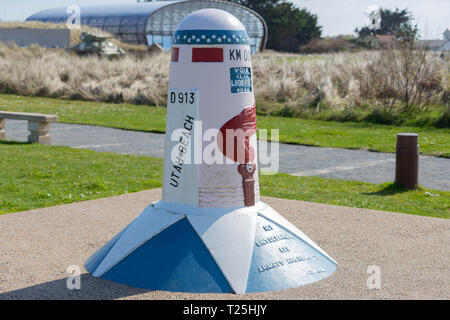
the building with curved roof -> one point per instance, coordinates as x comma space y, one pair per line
154, 22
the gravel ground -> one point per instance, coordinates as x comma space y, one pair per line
359, 165
411, 251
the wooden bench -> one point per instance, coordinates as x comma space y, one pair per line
38, 125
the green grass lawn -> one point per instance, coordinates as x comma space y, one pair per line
123, 116
34, 176
353, 135
384, 196
350, 135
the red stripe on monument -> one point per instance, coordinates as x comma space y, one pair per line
175, 54
207, 54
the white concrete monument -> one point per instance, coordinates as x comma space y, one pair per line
210, 232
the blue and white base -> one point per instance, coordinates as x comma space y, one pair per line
211, 250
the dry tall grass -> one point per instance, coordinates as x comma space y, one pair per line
344, 80
56, 73
299, 84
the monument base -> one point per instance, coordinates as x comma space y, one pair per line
174, 247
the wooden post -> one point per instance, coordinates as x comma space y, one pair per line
2, 132
407, 161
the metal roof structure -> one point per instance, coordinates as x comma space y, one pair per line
154, 22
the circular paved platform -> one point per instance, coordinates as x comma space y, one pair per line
411, 251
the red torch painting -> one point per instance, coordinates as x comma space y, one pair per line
234, 142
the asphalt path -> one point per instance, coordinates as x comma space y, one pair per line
359, 165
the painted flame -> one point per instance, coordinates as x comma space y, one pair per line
246, 121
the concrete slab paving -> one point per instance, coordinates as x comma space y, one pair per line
412, 252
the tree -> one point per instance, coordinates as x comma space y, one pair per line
289, 27
391, 21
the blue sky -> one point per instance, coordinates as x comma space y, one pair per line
336, 16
